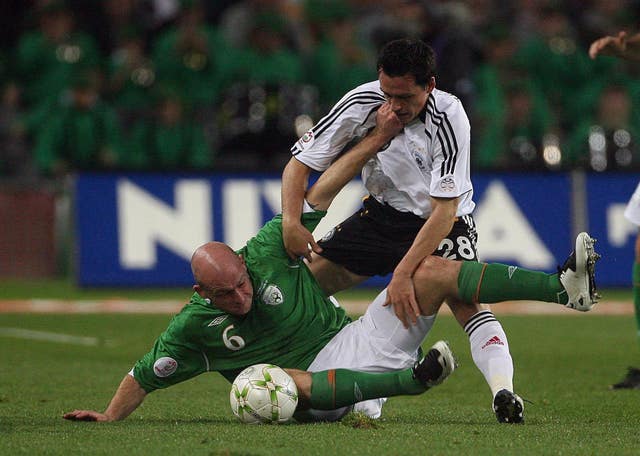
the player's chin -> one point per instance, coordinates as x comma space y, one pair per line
405, 118
244, 308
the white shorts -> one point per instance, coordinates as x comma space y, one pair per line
376, 342
632, 211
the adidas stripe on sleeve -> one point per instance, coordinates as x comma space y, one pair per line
448, 130
350, 118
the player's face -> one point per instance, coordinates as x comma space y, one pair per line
233, 293
405, 97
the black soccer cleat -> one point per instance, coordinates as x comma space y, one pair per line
508, 407
436, 366
631, 381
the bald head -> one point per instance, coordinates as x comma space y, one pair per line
212, 261
221, 276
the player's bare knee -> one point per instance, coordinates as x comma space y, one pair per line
435, 271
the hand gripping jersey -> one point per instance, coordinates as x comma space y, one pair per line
289, 323
430, 157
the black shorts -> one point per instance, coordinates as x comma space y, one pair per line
373, 240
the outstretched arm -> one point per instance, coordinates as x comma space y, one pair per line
329, 184
620, 45
296, 237
127, 398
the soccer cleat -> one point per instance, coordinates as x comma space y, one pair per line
631, 381
508, 407
577, 275
436, 366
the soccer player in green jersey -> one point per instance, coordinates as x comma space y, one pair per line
257, 305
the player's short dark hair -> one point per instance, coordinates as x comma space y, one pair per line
408, 56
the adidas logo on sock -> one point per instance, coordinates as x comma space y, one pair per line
495, 340
356, 392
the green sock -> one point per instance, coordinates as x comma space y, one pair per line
494, 282
335, 388
636, 295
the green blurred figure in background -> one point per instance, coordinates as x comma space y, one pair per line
170, 139
338, 61
131, 75
48, 57
192, 56
82, 133
626, 47
606, 136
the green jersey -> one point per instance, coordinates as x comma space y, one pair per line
290, 320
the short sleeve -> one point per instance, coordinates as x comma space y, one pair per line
268, 242
349, 119
450, 175
168, 364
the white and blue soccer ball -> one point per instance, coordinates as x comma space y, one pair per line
263, 393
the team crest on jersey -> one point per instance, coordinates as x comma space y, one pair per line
272, 295
447, 184
165, 366
419, 161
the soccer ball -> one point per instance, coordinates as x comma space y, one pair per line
263, 393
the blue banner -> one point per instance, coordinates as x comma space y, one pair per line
141, 229
607, 197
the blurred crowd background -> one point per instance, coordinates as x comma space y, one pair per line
230, 85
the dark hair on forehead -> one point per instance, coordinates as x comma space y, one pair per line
407, 56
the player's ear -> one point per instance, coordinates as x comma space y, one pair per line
197, 289
431, 84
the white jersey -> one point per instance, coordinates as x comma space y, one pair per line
430, 157
632, 211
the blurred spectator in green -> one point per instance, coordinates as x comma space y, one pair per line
268, 59
607, 137
238, 22
81, 133
192, 56
169, 139
517, 135
554, 59
258, 117
15, 156
131, 75
48, 57
339, 61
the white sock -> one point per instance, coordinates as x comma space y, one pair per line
490, 350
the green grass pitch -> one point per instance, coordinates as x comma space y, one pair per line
564, 365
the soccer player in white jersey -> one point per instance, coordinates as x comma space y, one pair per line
627, 47
420, 202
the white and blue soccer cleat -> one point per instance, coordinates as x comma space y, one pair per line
577, 275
